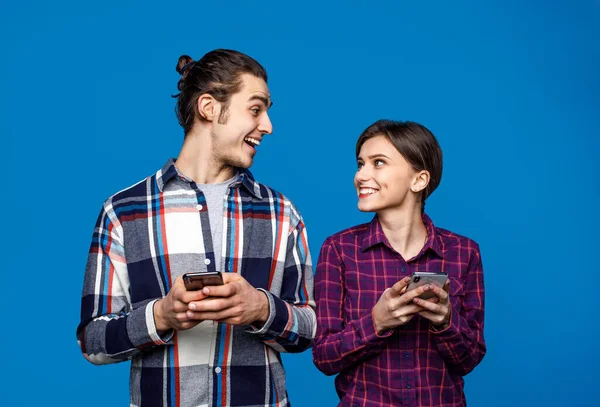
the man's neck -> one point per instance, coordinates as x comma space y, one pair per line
197, 161
404, 229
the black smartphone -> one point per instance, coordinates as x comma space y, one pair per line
199, 280
420, 278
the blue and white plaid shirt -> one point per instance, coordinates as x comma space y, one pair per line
151, 233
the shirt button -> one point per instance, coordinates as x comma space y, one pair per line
217, 370
403, 269
199, 207
207, 261
408, 386
406, 355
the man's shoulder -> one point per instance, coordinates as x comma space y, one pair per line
272, 195
276, 203
140, 191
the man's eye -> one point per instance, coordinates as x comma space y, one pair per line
255, 111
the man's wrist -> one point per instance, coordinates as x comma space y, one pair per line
264, 307
159, 322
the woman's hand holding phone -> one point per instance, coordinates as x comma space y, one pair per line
437, 312
419, 294
395, 306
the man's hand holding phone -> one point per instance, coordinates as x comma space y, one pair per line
170, 311
236, 302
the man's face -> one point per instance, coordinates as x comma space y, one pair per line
239, 130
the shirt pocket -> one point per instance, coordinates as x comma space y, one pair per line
363, 288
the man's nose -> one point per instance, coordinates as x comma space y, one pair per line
265, 126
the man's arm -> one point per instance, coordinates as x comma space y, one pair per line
110, 330
291, 323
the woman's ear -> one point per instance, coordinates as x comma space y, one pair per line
420, 181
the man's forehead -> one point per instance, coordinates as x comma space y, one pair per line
253, 86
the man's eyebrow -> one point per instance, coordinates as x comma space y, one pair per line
268, 102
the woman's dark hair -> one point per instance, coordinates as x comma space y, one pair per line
217, 73
416, 144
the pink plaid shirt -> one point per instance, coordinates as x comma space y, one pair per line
412, 365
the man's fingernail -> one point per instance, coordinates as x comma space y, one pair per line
205, 290
189, 314
192, 306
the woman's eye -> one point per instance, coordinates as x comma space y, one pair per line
379, 163
360, 165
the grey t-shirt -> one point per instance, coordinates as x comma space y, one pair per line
215, 196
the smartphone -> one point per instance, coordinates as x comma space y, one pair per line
420, 278
199, 280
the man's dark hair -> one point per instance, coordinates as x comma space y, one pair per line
416, 144
219, 74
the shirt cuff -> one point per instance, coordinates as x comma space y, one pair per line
142, 330
278, 317
366, 325
449, 331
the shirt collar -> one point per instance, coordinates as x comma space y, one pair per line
374, 235
170, 171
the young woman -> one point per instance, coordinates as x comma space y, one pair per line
388, 346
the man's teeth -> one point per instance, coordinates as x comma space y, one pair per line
252, 141
365, 191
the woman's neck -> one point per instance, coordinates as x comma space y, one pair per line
404, 229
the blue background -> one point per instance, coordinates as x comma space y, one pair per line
510, 89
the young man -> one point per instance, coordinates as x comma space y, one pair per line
203, 212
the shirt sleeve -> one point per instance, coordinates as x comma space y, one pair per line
110, 330
339, 345
292, 322
461, 343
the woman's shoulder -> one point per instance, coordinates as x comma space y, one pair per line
349, 233
451, 240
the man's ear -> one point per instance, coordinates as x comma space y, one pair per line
207, 107
420, 181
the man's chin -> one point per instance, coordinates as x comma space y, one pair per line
244, 164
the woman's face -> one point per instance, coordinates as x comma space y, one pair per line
384, 180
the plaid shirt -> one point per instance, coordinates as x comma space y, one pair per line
153, 232
412, 365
